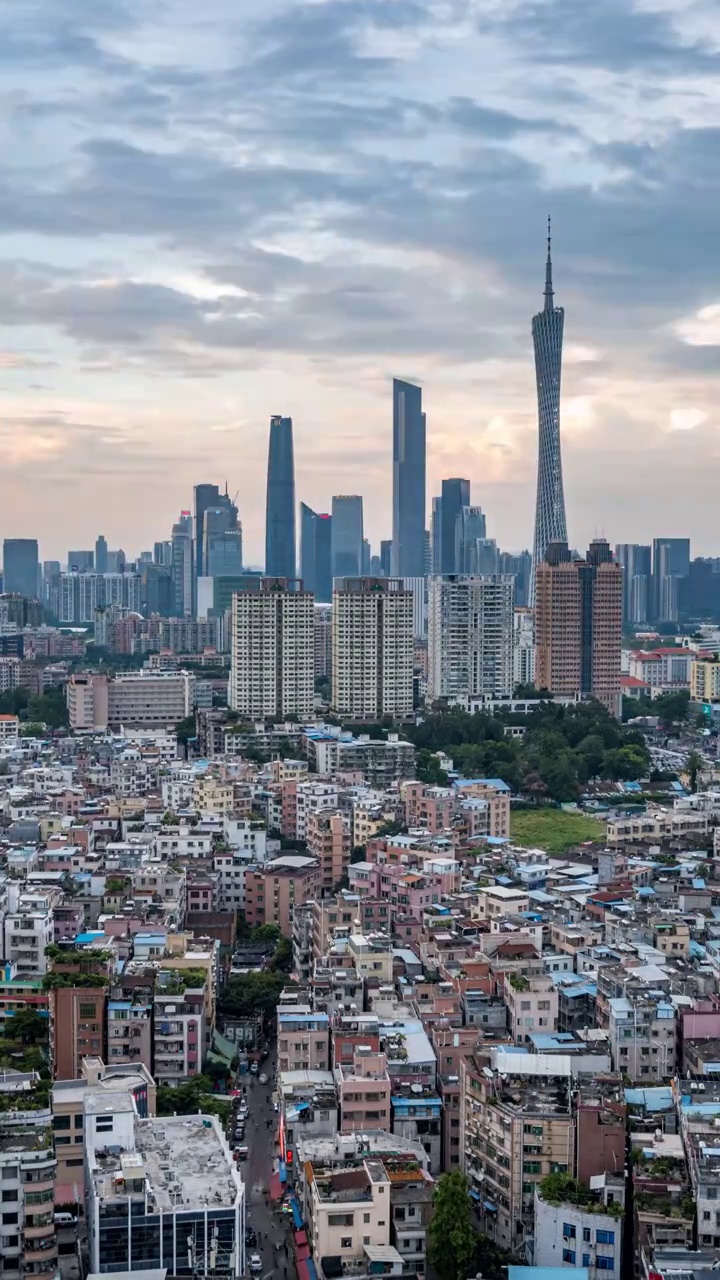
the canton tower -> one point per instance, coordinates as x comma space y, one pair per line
547, 332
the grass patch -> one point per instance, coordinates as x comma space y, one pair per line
553, 830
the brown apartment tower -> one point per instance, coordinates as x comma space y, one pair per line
578, 623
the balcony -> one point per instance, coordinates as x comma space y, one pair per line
38, 1229
41, 1251
46, 1183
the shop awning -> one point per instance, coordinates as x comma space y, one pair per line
282, 1171
300, 1238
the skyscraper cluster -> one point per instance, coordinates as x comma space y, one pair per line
490, 619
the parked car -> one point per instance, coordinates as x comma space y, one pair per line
255, 1266
263, 1078
250, 1237
254, 1068
243, 1153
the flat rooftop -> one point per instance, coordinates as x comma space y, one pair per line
182, 1160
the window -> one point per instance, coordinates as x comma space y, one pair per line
605, 1264
605, 1237
568, 1255
366, 1217
346, 1242
9, 1219
61, 1122
568, 1231
88, 1010
586, 1260
104, 1124
10, 1195
586, 1236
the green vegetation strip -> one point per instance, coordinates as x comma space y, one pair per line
554, 830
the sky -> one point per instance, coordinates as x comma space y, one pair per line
211, 213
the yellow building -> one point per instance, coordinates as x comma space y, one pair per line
705, 680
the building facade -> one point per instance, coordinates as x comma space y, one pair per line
470, 636
280, 560
547, 332
272, 660
409, 481
372, 648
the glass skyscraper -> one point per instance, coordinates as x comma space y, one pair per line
455, 496
547, 332
280, 559
347, 536
316, 553
21, 567
408, 540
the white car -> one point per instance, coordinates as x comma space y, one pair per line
255, 1264
263, 1078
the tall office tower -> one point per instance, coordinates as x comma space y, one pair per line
520, 566
524, 647
578, 623
280, 559
272, 662
409, 459
347, 536
455, 496
156, 590
116, 561
470, 528
51, 585
101, 555
372, 648
366, 558
316, 552
386, 557
547, 332
80, 562
21, 567
470, 637
182, 565
436, 535
162, 553
635, 561
222, 542
700, 591
670, 565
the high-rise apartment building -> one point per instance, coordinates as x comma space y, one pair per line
409, 466
670, 568
316, 553
520, 566
323, 641
182, 565
347, 536
272, 663
372, 648
578, 623
470, 636
21, 566
547, 332
455, 496
634, 560
524, 647
280, 559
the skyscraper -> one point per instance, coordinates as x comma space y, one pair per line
280, 561
386, 557
547, 332
347, 535
101, 554
436, 535
455, 496
182, 565
671, 564
408, 549
470, 529
316, 553
21, 567
578, 623
80, 561
635, 562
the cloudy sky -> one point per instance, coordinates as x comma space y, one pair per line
213, 212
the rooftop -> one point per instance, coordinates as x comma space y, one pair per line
183, 1161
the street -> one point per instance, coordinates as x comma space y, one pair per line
273, 1228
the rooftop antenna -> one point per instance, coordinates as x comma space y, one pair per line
548, 269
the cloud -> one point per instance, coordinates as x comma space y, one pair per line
209, 214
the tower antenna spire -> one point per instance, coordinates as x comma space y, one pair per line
548, 269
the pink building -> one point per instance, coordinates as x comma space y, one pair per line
329, 840
364, 1091
431, 808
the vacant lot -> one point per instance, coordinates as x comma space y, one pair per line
553, 829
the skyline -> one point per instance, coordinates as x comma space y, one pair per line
181, 257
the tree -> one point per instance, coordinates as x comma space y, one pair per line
693, 764
451, 1236
429, 769
252, 993
26, 1026
672, 707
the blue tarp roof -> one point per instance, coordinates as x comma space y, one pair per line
658, 1098
488, 782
